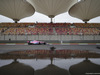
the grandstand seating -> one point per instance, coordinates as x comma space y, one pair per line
50, 28
2, 29
32, 31
81, 25
15, 24
78, 31
53, 24
87, 25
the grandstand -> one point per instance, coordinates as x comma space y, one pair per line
50, 32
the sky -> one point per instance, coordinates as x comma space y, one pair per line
62, 18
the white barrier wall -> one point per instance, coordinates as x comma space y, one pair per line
1, 37
50, 37
43, 37
31, 37
97, 37
12, 37
66, 37
21, 37
89, 37
77, 37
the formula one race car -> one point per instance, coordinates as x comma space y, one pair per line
35, 42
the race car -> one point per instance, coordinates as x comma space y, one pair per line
35, 42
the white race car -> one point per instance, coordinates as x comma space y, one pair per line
35, 42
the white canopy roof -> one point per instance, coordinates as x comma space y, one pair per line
16, 68
84, 68
86, 9
51, 8
16, 9
51, 70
